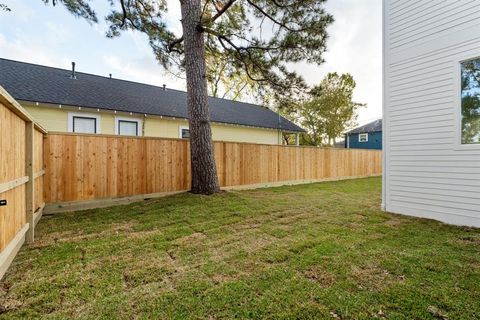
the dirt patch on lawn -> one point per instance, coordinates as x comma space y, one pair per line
222, 278
318, 275
294, 217
52, 238
355, 226
249, 245
393, 223
193, 238
7, 305
470, 239
373, 276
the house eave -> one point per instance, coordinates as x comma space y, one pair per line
72, 107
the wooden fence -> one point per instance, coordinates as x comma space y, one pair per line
87, 167
21, 178
62, 169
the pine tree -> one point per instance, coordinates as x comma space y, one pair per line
259, 37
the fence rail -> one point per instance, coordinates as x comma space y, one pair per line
87, 167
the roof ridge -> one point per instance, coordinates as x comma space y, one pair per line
358, 129
88, 74
129, 81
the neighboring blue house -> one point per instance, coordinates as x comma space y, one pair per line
368, 136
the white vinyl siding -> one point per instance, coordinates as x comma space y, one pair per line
427, 170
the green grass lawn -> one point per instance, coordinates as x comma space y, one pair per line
318, 251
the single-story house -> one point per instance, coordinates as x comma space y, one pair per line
368, 136
69, 101
432, 110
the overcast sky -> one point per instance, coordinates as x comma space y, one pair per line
33, 32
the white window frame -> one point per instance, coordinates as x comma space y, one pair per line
137, 120
457, 103
71, 115
360, 135
180, 128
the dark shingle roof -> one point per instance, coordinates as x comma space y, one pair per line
375, 126
30, 82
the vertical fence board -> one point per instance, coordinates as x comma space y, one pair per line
29, 153
38, 169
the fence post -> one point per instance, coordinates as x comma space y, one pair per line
29, 186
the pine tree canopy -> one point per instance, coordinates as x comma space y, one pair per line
262, 38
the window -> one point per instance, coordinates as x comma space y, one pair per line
363, 137
470, 103
128, 126
184, 132
83, 123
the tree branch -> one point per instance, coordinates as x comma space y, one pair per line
281, 24
124, 10
171, 45
221, 11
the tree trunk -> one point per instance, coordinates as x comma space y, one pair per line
204, 170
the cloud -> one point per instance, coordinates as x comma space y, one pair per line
355, 46
20, 11
174, 16
20, 50
57, 33
144, 70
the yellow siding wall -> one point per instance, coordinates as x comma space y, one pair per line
51, 119
156, 127
244, 134
56, 119
107, 123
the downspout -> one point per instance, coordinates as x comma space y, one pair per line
280, 140
143, 124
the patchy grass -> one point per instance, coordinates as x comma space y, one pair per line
314, 251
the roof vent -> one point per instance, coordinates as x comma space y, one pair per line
73, 76
110, 76
164, 87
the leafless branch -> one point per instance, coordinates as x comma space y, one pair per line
222, 10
